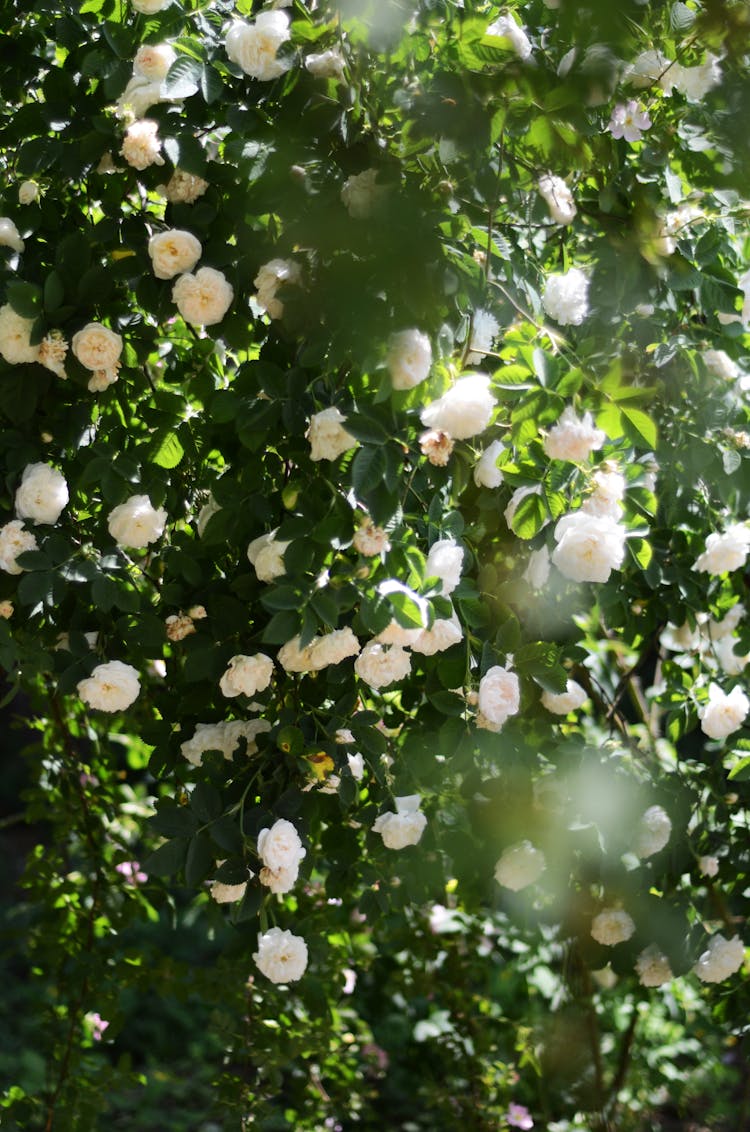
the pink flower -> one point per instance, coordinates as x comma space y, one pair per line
628, 121
132, 873
98, 1025
518, 1116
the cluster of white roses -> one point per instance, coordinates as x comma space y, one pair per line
202, 298
40, 498
144, 88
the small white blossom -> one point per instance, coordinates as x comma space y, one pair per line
573, 438
519, 866
566, 297
42, 495
113, 686
444, 561
612, 926
266, 555
653, 832
28, 192
361, 195
409, 358
651, 68
14, 540
332, 648
136, 522
246, 675
183, 188
227, 893
628, 121
9, 235
484, 330
403, 828
486, 471
356, 764
281, 956
709, 866
437, 446
720, 961
464, 411
370, 539
562, 703
720, 364
53, 350
558, 198
652, 967
606, 498
328, 438
445, 632
272, 275
97, 347
15, 337
506, 28
153, 60
724, 713
696, 82
326, 64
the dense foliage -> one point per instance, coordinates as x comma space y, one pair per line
375, 484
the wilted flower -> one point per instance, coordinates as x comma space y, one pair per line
369, 539
437, 446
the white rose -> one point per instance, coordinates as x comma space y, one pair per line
566, 297
395, 634
14, 540
280, 847
445, 632
97, 347
42, 495
484, 330
380, 665
183, 188
270, 277
444, 561
558, 198
537, 569
361, 195
138, 97
507, 28
141, 146
149, 7
173, 253
227, 893
464, 411
730, 662
6, 609
326, 65
206, 512
113, 686
562, 703
588, 547
409, 358
356, 764
572, 438
225, 737
696, 82
253, 46
726, 551
15, 337
486, 471
247, 675
652, 67
652, 967
724, 713
721, 960
332, 648
292, 658
653, 832
709, 866
9, 235
204, 298
403, 828
136, 522
607, 496
153, 60
267, 557
519, 866
281, 956
53, 350
280, 880
370, 539
28, 192
720, 364
328, 438
612, 926
499, 695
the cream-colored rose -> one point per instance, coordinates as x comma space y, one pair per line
10, 236
204, 298
464, 411
136, 522
97, 347
409, 358
724, 713
562, 703
370, 539
141, 146
6, 609
28, 192
720, 961
183, 188
266, 555
403, 828
573, 438
153, 60
247, 675
15, 337
380, 665
499, 695
272, 275
281, 956
653, 832
42, 495
519, 866
612, 926
149, 7
326, 64
328, 438
14, 540
558, 198
362, 195
280, 847
652, 967
254, 46
588, 547
110, 687
173, 252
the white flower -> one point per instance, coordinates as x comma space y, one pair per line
267, 557
270, 277
326, 65
720, 364
6, 609
370, 539
28, 192
562, 703
138, 97
730, 662
280, 847
537, 569
486, 471
519, 866
361, 195
628, 121
136, 522
113, 686
141, 146
725, 552
9, 235
652, 67
507, 28
281, 956
558, 198
42, 495
445, 632
653, 832
607, 496
254, 47
53, 350
566, 297
101, 379
680, 638
227, 893
173, 252
499, 695
178, 626
97, 347
464, 411
409, 358
328, 438
605, 977
612, 926
225, 737
292, 658
573, 438
15, 337
652, 967
153, 60
332, 648
588, 547
149, 7
724, 713
183, 188
247, 675
14, 540
206, 512
696, 82
709, 866
484, 330
437, 446
403, 828
721, 960
356, 764
204, 298
395, 634
380, 665
444, 561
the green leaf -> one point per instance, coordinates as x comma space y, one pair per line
168, 859
25, 298
640, 551
368, 468
54, 291
199, 859
448, 703
531, 515
212, 86
639, 427
741, 770
172, 820
205, 801
169, 451
183, 78
281, 628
